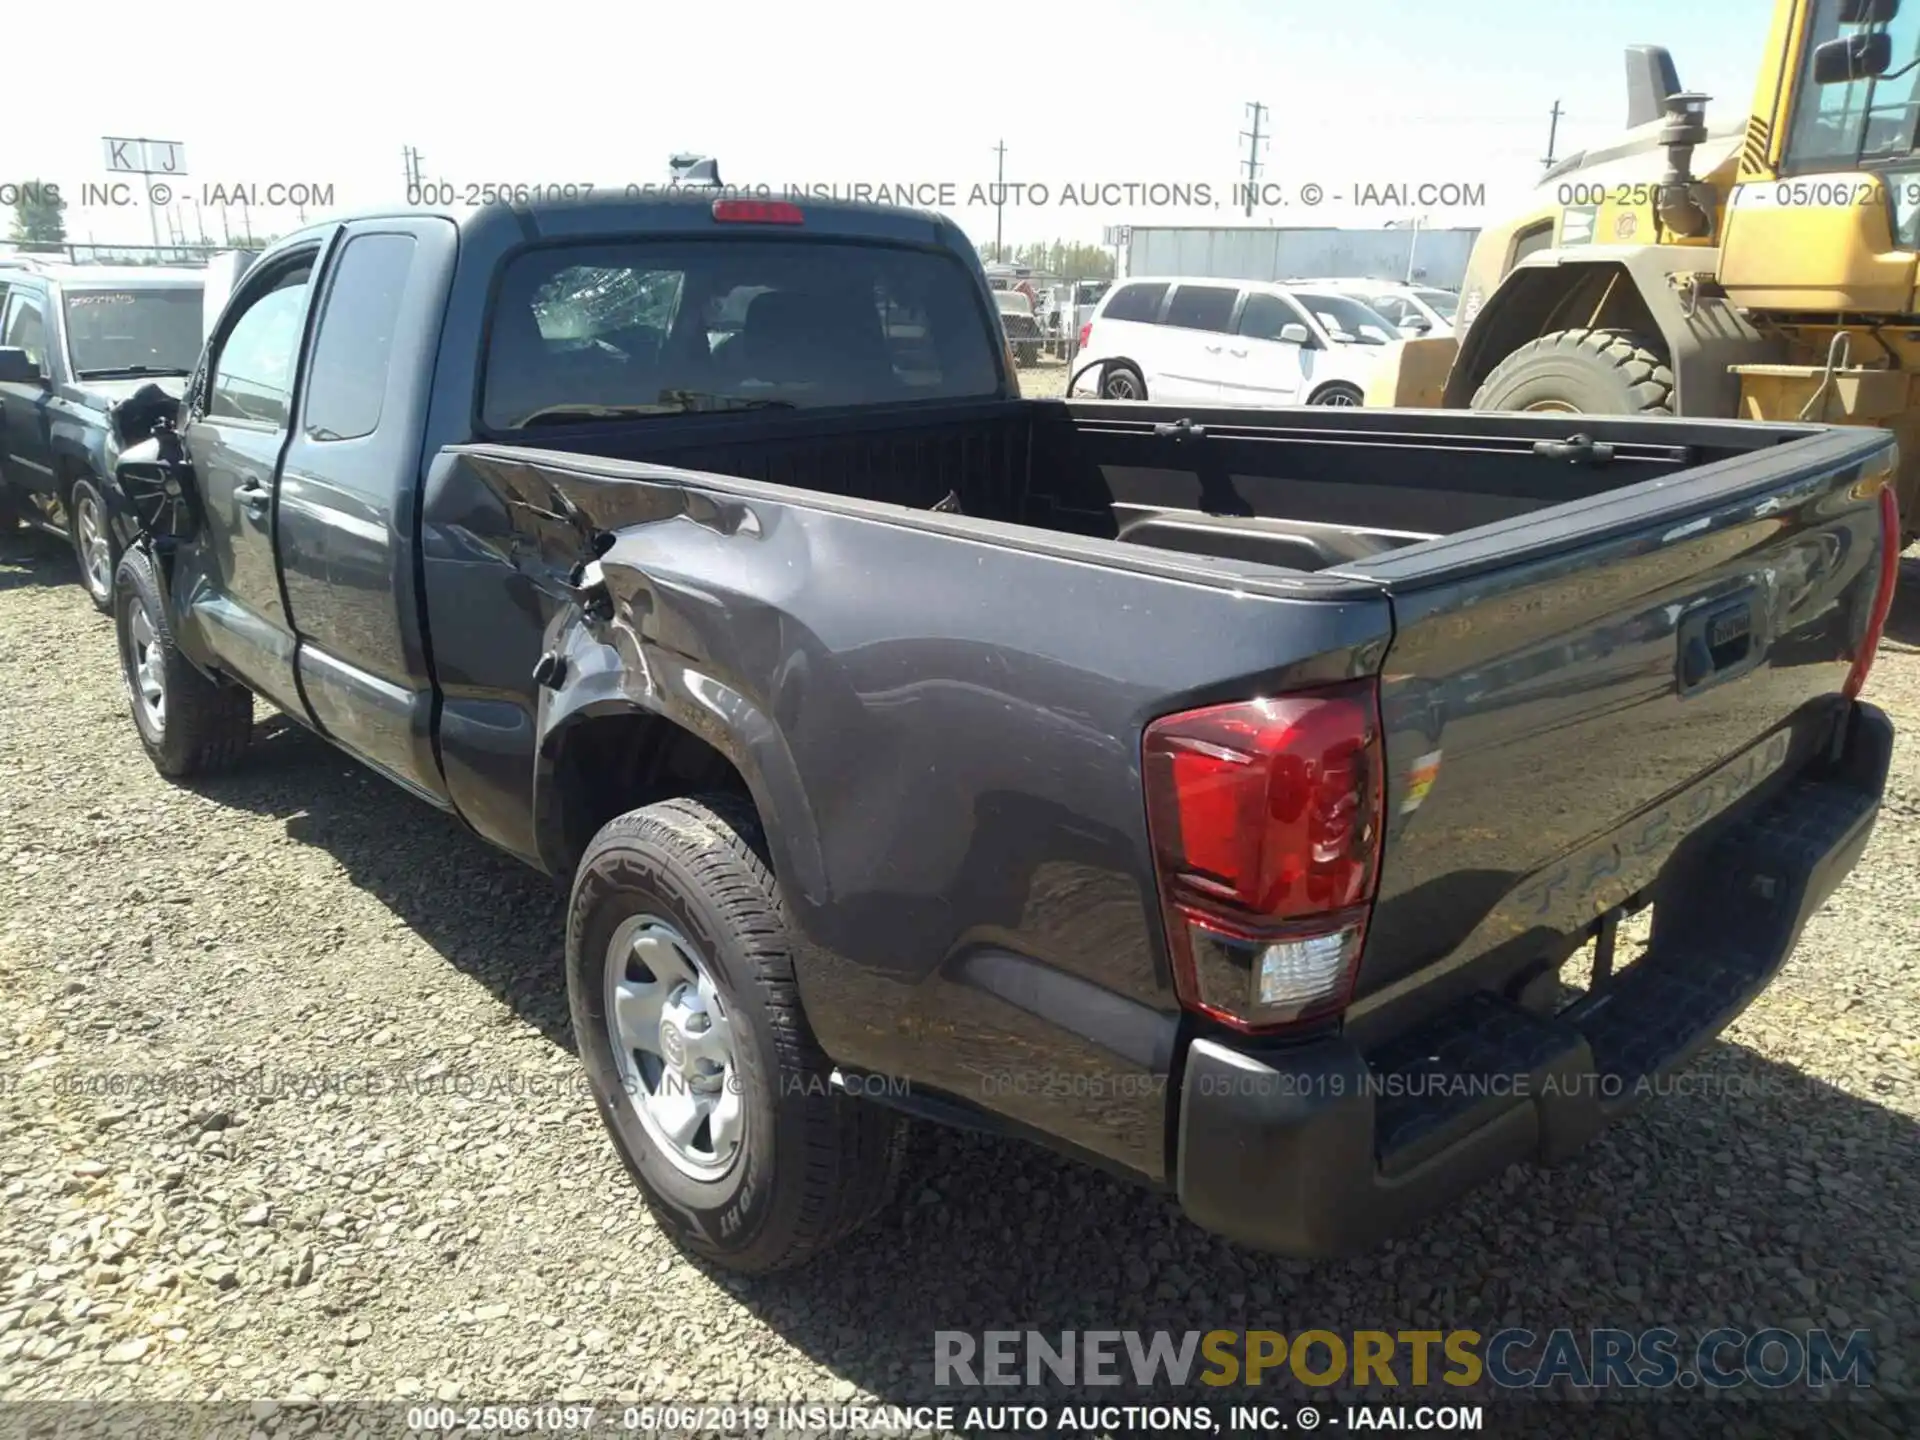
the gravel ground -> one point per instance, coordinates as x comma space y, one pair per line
1044, 379
288, 1109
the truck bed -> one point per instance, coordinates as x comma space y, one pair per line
1320, 490
944, 719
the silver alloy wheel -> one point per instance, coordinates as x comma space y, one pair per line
1119, 386
1339, 397
96, 555
673, 1043
149, 677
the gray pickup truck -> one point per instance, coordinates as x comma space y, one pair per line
1217, 795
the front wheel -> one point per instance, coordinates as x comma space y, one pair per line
680, 979
188, 723
1581, 372
91, 536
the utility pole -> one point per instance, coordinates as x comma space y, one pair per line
1553, 132
999, 201
1253, 138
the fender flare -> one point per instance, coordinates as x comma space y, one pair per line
1702, 338
669, 690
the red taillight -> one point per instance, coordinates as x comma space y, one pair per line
758, 212
1882, 597
1265, 819
1086, 334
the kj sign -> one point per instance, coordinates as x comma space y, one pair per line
145, 157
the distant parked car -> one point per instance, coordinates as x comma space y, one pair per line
1415, 310
1240, 342
75, 341
1023, 330
1069, 306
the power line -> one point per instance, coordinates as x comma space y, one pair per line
1253, 138
999, 201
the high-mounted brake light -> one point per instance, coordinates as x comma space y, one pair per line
758, 212
1265, 819
1882, 596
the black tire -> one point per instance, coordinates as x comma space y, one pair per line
1339, 393
95, 549
1586, 372
201, 726
812, 1164
1120, 381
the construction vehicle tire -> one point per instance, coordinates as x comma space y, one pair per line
1581, 372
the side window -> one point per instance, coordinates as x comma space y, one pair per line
26, 327
1535, 237
355, 343
253, 373
1264, 316
1202, 307
1391, 306
1835, 127
1136, 302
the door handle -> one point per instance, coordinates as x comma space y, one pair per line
1213, 349
1240, 353
254, 496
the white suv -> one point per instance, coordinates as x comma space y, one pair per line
1233, 342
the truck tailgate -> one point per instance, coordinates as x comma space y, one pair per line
1572, 694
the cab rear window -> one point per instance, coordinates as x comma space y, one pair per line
674, 327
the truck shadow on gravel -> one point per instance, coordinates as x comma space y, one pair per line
32, 558
1749, 1195
487, 914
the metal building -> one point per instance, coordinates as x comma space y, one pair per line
1432, 257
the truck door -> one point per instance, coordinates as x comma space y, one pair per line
235, 434
347, 492
1265, 369
26, 447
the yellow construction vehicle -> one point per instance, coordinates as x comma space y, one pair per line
1760, 265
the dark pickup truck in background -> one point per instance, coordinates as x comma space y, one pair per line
75, 342
1215, 795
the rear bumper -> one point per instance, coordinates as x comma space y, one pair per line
1317, 1150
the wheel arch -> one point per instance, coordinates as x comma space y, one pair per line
602, 755
1643, 289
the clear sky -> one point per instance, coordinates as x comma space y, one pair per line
1405, 92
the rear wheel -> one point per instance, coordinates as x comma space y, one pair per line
1581, 372
189, 724
680, 978
91, 535
1122, 382
1340, 394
